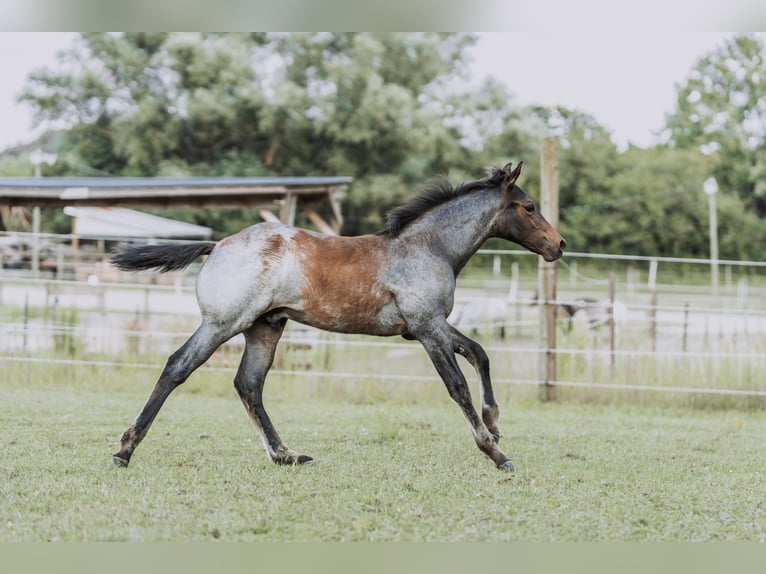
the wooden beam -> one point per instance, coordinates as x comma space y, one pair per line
323, 226
334, 196
269, 216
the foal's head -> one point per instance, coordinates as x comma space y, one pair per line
521, 222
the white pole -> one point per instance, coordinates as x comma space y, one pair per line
710, 186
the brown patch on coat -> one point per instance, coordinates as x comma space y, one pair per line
273, 250
341, 288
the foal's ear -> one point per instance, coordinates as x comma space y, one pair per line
511, 175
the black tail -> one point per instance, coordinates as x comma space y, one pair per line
168, 257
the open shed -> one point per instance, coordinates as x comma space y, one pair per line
278, 198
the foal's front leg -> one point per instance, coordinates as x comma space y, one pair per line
437, 341
476, 355
260, 344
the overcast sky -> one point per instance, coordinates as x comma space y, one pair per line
626, 80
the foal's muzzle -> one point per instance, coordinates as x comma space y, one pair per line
553, 253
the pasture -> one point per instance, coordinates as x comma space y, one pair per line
668, 445
400, 467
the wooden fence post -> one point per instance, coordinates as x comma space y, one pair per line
549, 205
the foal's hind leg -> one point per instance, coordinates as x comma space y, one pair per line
437, 341
476, 355
180, 365
260, 343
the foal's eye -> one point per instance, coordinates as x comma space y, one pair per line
530, 208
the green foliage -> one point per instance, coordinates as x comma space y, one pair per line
241, 104
647, 193
15, 166
721, 110
639, 201
372, 197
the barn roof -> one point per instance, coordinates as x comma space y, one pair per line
164, 191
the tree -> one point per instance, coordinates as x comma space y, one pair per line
721, 110
144, 104
364, 105
588, 162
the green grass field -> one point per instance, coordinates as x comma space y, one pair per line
396, 468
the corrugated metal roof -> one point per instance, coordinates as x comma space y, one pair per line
119, 222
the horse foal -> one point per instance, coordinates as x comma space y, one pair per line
399, 281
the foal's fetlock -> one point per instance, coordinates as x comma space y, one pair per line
487, 444
128, 443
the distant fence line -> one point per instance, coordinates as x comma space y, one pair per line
732, 317
398, 378
92, 261
642, 258
62, 237
19, 330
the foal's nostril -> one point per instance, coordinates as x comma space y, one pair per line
563, 244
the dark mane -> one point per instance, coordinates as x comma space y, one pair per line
435, 193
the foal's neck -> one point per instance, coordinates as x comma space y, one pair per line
455, 230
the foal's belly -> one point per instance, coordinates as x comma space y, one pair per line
350, 315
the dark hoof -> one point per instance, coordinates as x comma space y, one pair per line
293, 460
507, 466
120, 462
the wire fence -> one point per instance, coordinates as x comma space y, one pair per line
661, 333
